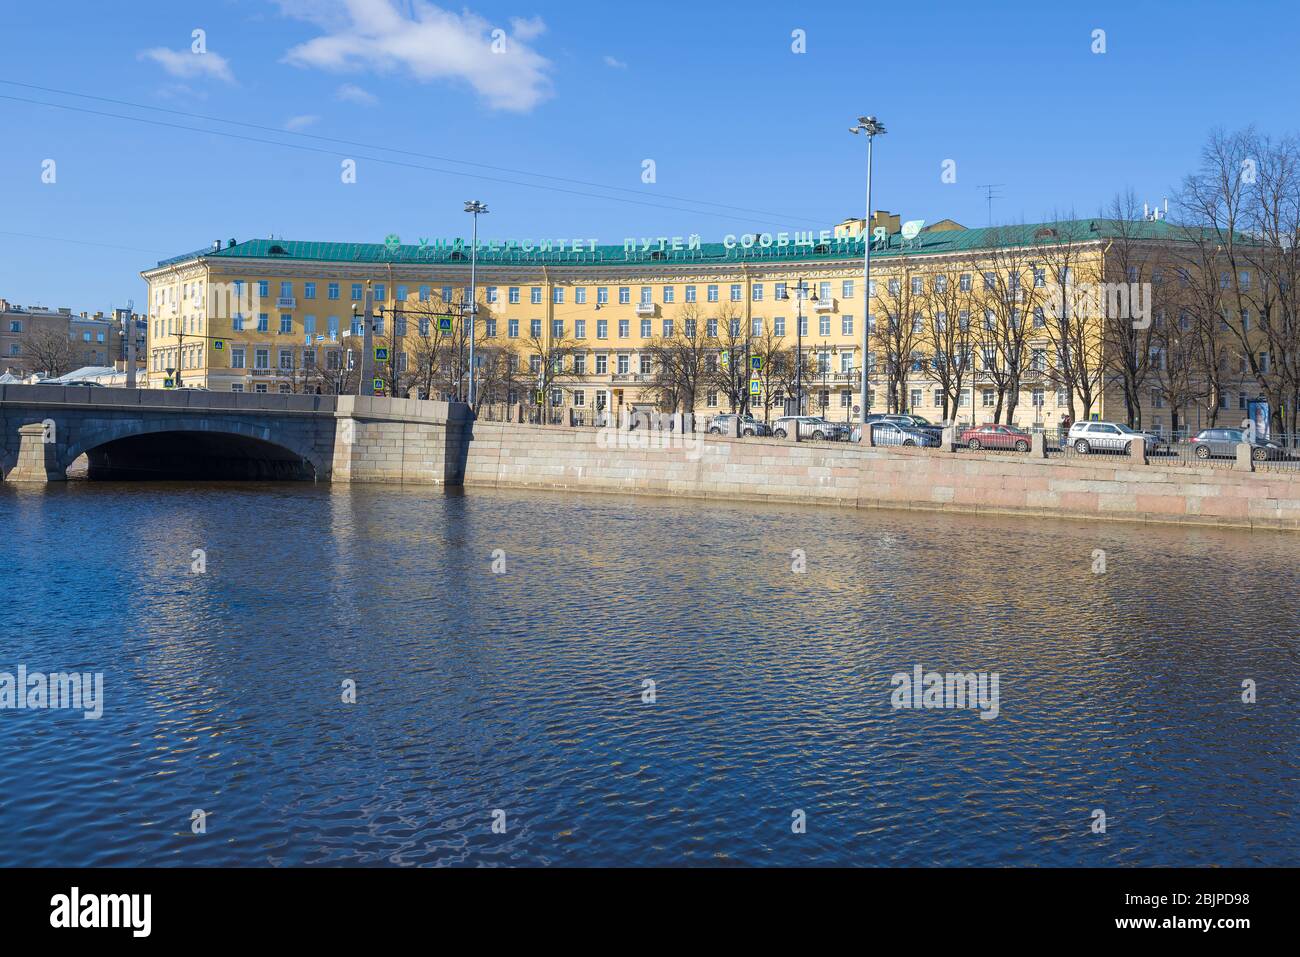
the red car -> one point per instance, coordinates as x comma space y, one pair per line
995, 437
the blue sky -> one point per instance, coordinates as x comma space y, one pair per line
745, 134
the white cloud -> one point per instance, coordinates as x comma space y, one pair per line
188, 65
431, 44
351, 93
296, 123
529, 29
616, 64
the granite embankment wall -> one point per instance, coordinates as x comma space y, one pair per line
1106, 487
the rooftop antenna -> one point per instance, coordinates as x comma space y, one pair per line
991, 193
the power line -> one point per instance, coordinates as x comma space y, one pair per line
386, 149
786, 219
82, 242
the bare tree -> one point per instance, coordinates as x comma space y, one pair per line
897, 332
50, 351
679, 361
946, 337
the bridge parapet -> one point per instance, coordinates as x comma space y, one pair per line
192, 434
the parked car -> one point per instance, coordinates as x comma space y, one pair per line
748, 424
810, 427
1222, 443
84, 383
995, 437
1088, 437
893, 433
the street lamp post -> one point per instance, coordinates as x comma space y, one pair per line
871, 127
798, 349
474, 207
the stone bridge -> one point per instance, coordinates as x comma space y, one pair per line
190, 434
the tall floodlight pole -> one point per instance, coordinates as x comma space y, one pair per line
871, 127
474, 207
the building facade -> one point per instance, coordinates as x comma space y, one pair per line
35, 340
964, 325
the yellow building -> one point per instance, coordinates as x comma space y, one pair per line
965, 324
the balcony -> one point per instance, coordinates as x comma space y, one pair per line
645, 308
825, 305
286, 302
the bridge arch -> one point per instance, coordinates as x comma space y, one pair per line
205, 447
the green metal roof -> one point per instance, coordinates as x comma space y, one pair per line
443, 252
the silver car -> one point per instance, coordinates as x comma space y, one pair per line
748, 424
810, 427
1086, 437
895, 433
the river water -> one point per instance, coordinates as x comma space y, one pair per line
521, 697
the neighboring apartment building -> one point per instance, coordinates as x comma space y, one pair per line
38, 340
964, 324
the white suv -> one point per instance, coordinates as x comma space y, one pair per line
1088, 437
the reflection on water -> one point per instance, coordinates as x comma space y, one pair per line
522, 691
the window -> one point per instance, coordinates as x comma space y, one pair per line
512, 328
823, 326
356, 292
580, 297
778, 325
286, 322
286, 359
489, 327
735, 292
1040, 319
602, 364
381, 292
711, 328
690, 294
915, 398
535, 295
894, 287
262, 359
535, 328
557, 295
263, 322
846, 289
557, 328
512, 294
602, 328
846, 325
646, 292
623, 359
1037, 398
711, 398
602, 296
624, 328
646, 333
668, 293
990, 282
237, 387
756, 327
579, 397
263, 288
918, 285
309, 290
332, 290
645, 364
963, 282
668, 329
624, 295
580, 328
579, 366
491, 293
988, 398
236, 358
712, 293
